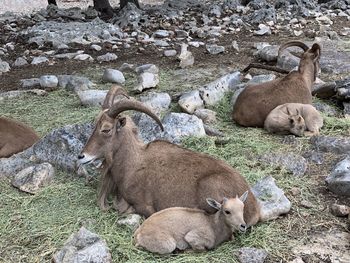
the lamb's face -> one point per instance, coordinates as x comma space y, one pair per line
233, 209
297, 125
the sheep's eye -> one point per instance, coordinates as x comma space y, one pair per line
106, 131
227, 212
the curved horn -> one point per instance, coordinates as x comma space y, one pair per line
292, 44
125, 105
113, 92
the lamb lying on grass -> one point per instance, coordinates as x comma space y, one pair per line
296, 118
182, 228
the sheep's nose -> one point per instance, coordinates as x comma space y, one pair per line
243, 227
81, 156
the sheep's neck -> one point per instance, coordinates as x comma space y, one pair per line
222, 231
307, 71
128, 153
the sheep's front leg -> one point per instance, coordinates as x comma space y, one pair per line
200, 240
122, 206
107, 186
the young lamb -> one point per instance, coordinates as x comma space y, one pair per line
182, 228
15, 137
255, 102
296, 118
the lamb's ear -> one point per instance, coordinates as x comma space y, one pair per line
244, 196
288, 112
299, 119
297, 111
213, 203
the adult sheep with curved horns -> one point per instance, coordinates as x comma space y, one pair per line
15, 137
146, 178
257, 101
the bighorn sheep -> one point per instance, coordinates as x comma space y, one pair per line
15, 137
147, 178
257, 101
296, 118
182, 228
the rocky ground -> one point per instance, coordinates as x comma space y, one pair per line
185, 60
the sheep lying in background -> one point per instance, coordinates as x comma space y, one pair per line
256, 101
296, 118
15, 137
182, 228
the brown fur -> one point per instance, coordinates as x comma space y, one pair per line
183, 228
151, 177
256, 101
15, 137
296, 118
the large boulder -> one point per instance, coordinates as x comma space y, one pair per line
338, 145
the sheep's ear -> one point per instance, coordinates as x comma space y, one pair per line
316, 50
244, 196
213, 203
121, 122
299, 119
297, 111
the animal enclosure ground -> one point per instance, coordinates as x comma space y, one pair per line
33, 227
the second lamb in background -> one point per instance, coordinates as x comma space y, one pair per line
296, 118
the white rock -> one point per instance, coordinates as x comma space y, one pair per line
107, 57
147, 80
186, 58
190, 101
39, 60
92, 97
170, 53
48, 81
83, 57
21, 61
96, 47
114, 76
263, 30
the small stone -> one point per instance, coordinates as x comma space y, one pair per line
298, 33
21, 61
170, 53
295, 191
114, 76
181, 33
190, 101
146, 80
215, 49
306, 204
206, 115
91, 97
126, 67
263, 30
83, 57
150, 68
96, 47
39, 60
48, 81
258, 79
235, 45
339, 179
107, 57
162, 33
32, 178
251, 255
4, 67
161, 43
30, 83
340, 210
186, 58
158, 102
132, 221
